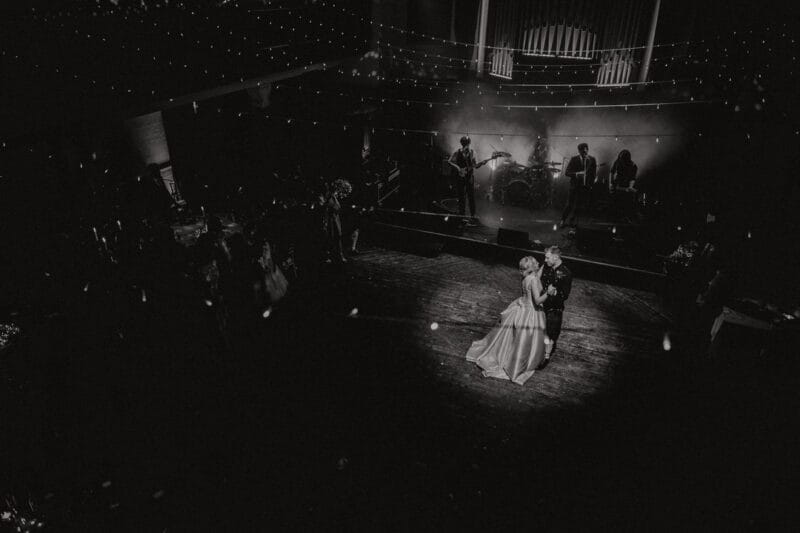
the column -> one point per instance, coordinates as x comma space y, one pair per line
148, 139
648, 52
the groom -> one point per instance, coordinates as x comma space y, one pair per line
557, 283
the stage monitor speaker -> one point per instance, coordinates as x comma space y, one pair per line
513, 238
537, 245
596, 240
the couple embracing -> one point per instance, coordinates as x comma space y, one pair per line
525, 336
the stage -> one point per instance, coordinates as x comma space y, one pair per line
607, 240
598, 248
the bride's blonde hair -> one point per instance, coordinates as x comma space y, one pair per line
528, 264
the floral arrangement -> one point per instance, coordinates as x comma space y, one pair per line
7, 334
682, 257
19, 519
342, 188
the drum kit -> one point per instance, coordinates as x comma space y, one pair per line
524, 186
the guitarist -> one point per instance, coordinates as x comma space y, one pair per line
463, 161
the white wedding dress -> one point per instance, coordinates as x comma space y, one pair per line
514, 348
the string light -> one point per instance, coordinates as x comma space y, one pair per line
140, 17
709, 48
373, 129
373, 22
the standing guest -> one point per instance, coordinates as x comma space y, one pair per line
364, 198
582, 171
273, 282
211, 245
557, 283
240, 285
212, 261
682, 284
332, 221
709, 306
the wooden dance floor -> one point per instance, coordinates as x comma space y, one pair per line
615, 431
610, 334
346, 410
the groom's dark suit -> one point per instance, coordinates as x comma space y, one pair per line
560, 278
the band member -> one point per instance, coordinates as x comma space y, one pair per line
463, 161
582, 172
622, 183
623, 172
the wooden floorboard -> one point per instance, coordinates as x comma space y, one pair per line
608, 331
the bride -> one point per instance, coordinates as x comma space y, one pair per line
515, 347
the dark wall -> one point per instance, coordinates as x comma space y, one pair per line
430, 18
228, 144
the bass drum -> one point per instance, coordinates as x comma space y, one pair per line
517, 193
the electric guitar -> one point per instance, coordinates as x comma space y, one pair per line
467, 170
